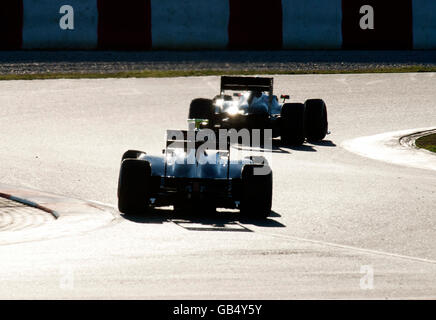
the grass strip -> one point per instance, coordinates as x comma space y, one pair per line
192, 73
427, 142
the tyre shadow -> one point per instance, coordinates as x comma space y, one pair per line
304, 147
226, 220
277, 146
324, 143
308, 146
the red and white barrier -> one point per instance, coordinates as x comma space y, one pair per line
217, 24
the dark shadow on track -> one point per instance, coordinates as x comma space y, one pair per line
324, 143
303, 147
275, 148
208, 221
278, 146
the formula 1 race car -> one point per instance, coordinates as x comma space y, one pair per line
253, 106
194, 173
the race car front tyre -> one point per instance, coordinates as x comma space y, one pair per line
256, 198
315, 120
292, 124
201, 109
133, 186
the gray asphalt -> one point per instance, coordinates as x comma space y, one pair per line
334, 212
30, 62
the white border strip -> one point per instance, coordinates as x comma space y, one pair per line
386, 147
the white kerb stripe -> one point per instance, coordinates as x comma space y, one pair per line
424, 24
42, 28
312, 24
189, 24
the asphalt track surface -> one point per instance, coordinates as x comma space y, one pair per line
335, 213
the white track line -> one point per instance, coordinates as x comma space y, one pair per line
342, 246
319, 242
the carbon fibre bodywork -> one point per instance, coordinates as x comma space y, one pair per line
213, 183
253, 106
186, 174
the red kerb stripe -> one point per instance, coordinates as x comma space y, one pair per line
124, 24
393, 26
11, 24
255, 24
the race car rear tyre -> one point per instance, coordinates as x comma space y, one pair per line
258, 121
201, 109
292, 124
258, 160
133, 186
256, 198
315, 120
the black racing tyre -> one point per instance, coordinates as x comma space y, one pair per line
256, 197
131, 154
258, 121
315, 120
133, 186
201, 109
292, 124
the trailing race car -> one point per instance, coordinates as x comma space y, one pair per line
189, 174
253, 106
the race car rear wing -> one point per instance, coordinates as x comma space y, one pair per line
187, 140
247, 84
190, 140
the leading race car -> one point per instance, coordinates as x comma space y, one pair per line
196, 173
254, 106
